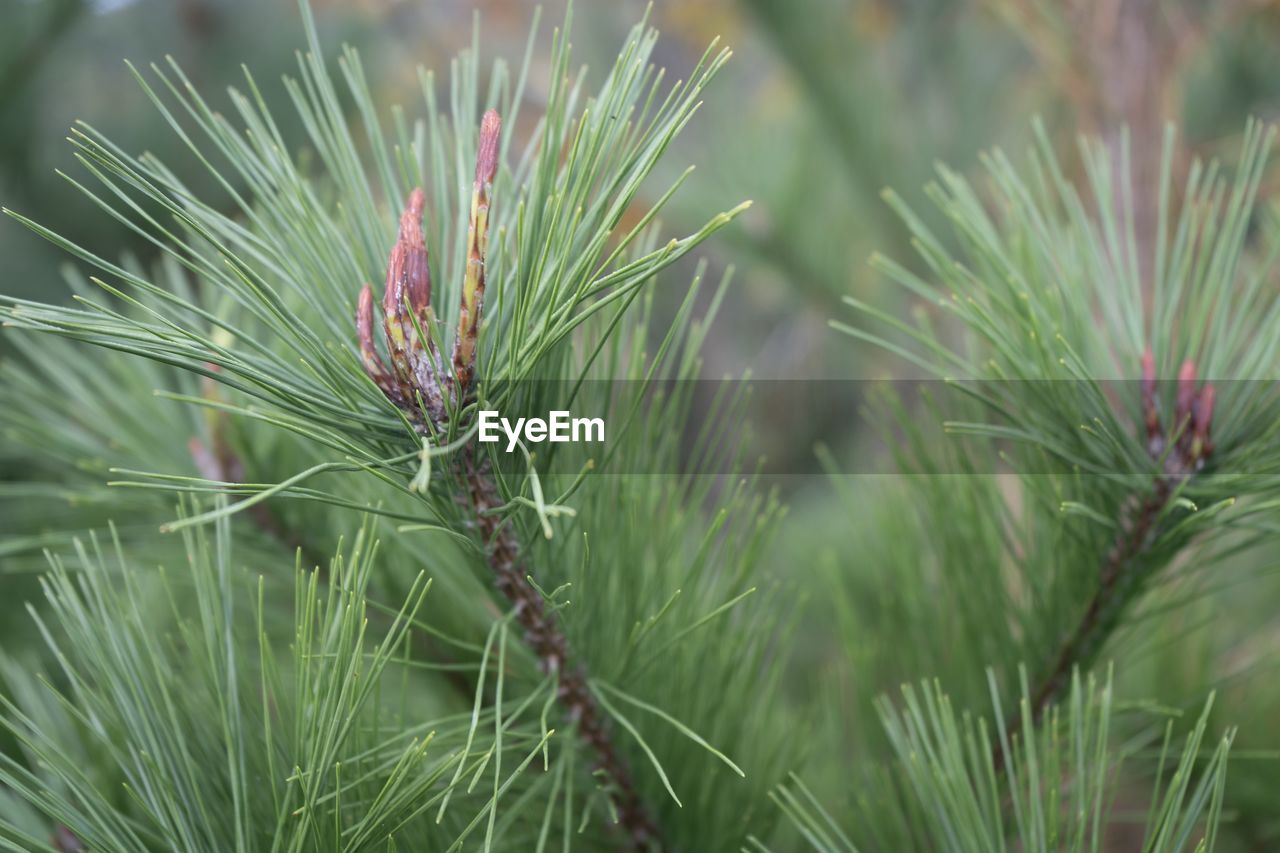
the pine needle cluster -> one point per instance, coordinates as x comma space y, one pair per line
287, 602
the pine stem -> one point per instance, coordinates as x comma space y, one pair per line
1117, 582
546, 638
1180, 453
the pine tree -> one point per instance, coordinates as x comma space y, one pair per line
289, 602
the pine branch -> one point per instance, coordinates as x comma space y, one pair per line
423, 387
258, 305
1056, 796
1179, 455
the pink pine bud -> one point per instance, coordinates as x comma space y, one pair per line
487, 151
206, 463
407, 269
1186, 390
364, 327
464, 344
1204, 412
417, 271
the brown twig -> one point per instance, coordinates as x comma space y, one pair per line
545, 636
425, 388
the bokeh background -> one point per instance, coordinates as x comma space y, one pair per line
826, 103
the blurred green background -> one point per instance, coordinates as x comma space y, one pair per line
826, 103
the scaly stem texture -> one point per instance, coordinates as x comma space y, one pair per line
546, 638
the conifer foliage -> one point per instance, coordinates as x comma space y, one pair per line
383, 722
289, 602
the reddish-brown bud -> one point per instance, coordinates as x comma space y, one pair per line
364, 328
408, 277
487, 150
66, 841
1204, 411
408, 274
464, 345
1186, 392
1193, 419
413, 253
206, 462
412, 380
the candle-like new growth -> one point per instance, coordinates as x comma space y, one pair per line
414, 381
464, 347
417, 382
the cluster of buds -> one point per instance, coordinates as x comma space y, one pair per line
1193, 418
418, 380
